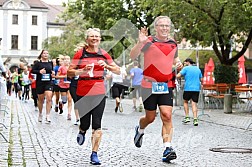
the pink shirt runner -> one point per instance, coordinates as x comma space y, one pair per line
63, 71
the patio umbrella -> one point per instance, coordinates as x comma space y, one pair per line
242, 74
205, 74
210, 65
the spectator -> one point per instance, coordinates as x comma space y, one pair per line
136, 74
193, 79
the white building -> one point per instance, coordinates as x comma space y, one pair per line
24, 25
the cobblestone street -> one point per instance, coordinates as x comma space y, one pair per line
34, 144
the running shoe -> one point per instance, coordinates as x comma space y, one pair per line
40, 117
186, 120
94, 159
195, 122
56, 109
69, 117
169, 154
48, 120
81, 138
138, 139
60, 107
134, 108
120, 107
77, 122
36, 108
116, 109
140, 108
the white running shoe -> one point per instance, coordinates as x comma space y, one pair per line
48, 120
40, 117
77, 122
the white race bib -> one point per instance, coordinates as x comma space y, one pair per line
160, 88
34, 76
56, 82
45, 77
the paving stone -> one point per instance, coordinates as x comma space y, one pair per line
31, 163
55, 144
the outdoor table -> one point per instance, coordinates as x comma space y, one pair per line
248, 91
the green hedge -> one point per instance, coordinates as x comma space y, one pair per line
226, 74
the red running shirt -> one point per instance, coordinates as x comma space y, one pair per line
31, 77
158, 61
91, 87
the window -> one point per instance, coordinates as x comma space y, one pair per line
14, 19
34, 20
14, 42
34, 42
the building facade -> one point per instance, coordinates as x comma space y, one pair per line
24, 25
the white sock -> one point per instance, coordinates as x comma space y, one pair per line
167, 144
141, 131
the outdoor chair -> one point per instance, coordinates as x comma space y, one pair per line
208, 92
221, 90
243, 96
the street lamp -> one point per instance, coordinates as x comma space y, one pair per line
197, 54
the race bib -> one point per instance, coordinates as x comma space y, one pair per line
159, 88
34, 76
45, 77
56, 82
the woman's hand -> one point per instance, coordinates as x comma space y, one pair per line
53, 74
42, 71
102, 63
88, 67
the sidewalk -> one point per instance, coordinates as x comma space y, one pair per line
35, 144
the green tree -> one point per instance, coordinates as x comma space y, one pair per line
73, 34
101, 14
216, 23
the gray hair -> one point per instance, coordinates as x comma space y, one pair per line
90, 30
161, 17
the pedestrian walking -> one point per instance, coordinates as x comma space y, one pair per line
160, 54
44, 71
89, 63
118, 87
136, 74
193, 79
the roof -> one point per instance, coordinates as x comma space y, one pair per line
54, 12
32, 3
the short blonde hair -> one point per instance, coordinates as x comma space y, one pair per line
90, 30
